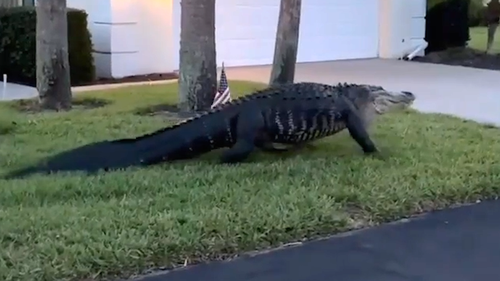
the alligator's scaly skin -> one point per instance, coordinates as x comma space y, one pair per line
290, 114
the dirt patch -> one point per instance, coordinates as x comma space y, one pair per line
134, 78
169, 111
464, 57
33, 106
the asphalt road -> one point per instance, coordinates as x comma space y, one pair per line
461, 244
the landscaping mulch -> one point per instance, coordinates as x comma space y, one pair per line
464, 57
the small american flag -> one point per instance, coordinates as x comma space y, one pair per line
223, 95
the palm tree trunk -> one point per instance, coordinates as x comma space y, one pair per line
52, 62
287, 41
197, 69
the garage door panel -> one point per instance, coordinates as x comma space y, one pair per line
317, 25
330, 30
237, 52
336, 49
244, 25
245, 31
343, 32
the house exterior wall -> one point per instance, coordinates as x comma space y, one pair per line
129, 36
134, 37
402, 27
419, 10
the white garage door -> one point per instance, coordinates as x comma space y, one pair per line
338, 29
330, 30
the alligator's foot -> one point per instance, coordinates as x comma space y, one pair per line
377, 154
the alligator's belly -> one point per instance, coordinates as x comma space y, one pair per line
306, 136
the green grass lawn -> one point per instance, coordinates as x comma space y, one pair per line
75, 227
479, 36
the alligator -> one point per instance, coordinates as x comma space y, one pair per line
290, 115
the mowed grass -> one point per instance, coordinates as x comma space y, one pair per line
74, 227
479, 38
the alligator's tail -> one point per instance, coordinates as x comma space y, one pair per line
181, 141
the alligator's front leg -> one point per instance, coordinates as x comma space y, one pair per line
358, 131
248, 126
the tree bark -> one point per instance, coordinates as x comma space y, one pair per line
287, 41
52, 62
197, 63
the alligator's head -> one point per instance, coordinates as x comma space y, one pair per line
386, 101
379, 100
375, 100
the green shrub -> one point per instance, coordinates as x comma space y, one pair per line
18, 45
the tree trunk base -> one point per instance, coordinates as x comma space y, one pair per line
52, 65
197, 64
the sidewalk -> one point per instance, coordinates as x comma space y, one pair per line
15, 91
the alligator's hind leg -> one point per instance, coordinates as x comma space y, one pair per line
358, 132
248, 126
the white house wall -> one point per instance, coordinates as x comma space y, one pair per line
232, 46
419, 10
329, 30
133, 37
402, 27
129, 36
338, 30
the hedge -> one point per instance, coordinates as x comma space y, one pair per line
18, 46
447, 25
476, 11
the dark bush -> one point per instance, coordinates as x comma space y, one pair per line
476, 11
447, 25
18, 46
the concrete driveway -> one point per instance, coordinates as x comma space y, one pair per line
462, 91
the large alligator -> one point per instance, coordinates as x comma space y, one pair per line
290, 115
